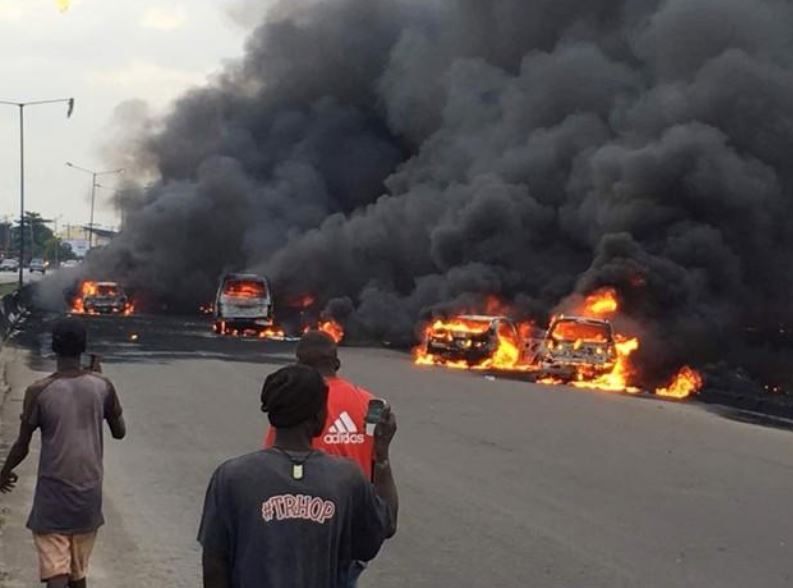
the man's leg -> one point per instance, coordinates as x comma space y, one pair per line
58, 582
54, 559
81, 547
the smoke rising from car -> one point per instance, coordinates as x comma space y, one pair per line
397, 158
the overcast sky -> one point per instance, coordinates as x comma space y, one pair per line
102, 52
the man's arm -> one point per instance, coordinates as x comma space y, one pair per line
384, 484
114, 414
216, 570
21, 448
118, 428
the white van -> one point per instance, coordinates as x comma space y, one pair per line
243, 304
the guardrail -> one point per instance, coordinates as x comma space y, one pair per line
12, 308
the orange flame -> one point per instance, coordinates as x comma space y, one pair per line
619, 378
687, 382
331, 327
302, 302
91, 288
272, 332
601, 303
506, 356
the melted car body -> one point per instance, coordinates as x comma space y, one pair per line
470, 338
105, 298
577, 346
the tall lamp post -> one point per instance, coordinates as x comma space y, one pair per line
21, 106
94, 175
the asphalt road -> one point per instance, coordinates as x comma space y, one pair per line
502, 483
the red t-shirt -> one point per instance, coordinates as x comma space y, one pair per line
345, 430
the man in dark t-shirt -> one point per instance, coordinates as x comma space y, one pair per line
291, 516
70, 408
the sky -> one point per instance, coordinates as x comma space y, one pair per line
102, 53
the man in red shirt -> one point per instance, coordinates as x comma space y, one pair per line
345, 431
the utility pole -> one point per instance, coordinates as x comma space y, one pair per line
94, 175
21, 106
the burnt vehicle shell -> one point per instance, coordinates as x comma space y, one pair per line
576, 345
243, 303
110, 298
470, 347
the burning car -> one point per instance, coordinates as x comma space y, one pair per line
472, 340
101, 298
577, 346
243, 304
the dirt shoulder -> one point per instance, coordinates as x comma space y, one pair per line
18, 562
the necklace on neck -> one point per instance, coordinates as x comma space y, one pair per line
297, 464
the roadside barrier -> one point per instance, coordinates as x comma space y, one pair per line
12, 308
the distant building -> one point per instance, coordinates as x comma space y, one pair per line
78, 236
79, 246
103, 237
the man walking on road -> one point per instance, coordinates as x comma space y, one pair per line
69, 407
291, 516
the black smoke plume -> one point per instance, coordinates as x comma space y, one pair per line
398, 158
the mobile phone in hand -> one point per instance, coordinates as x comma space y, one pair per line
374, 413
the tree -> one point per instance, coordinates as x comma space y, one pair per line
40, 241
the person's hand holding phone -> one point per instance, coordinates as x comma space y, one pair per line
384, 433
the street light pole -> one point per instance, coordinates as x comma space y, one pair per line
21, 106
21, 267
93, 203
94, 175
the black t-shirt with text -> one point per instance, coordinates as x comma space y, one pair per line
278, 532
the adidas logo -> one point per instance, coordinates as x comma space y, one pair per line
343, 431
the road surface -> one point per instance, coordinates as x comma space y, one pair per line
503, 483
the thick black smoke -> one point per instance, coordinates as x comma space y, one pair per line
395, 158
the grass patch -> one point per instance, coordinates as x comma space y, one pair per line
6, 289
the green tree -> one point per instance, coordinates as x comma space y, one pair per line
39, 240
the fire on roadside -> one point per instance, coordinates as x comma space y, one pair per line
515, 354
329, 326
272, 332
484, 347
91, 289
687, 382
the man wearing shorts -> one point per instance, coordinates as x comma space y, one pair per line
70, 407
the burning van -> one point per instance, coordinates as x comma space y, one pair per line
576, 346
243, 304
471, 339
